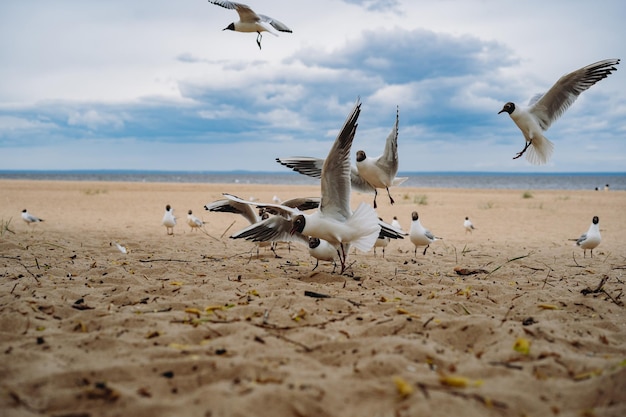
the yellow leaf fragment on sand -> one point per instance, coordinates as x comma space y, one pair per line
195, 311
178, 283
458, 381
467, 292
548, 306
254, 292
522, 346
299, 315
210, 309
404, 388
403, 311
432, 295
587, 375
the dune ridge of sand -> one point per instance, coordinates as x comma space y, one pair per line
510, 320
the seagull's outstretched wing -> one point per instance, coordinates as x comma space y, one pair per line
553, 104
275, 23
232, 206
335, 182
388, 161
312, 167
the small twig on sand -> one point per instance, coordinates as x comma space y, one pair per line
227, 229
510, 260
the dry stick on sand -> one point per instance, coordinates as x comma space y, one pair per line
510, 260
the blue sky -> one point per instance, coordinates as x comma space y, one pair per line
158, 85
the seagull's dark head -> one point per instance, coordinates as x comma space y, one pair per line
314, 242
508, 107
168, 208
24, 211
230, 27
595, 220
298, 224
414, 216
466, 218
189, 212
360, 156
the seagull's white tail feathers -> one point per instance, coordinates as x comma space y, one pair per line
399, 180
364, 218
540, 151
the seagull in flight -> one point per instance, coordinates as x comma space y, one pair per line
249, 21
238, 206
368, 174
544, 109
592, 238
29, 218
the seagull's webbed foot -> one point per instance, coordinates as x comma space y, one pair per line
530, 142
258, 39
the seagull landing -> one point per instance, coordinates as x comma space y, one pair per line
544, 109
249, 21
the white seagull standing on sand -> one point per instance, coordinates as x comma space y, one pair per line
591, 239
193, 221
367, 175
419, 235
169, 221
29, 218
544, 109
249, 21
335, 221
468, 225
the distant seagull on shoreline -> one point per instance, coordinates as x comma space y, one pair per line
468, 225
251, 22
29, 218
544, 109
591, 239
193, 221
169, 221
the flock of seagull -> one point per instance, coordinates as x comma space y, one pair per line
334, 227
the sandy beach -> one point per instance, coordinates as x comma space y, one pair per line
510, 320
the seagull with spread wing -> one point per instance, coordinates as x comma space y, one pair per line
249, 21
544, 109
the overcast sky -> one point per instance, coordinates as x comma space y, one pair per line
157, 85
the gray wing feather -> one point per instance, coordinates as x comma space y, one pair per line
230, 206
275, 23
335, 183
388, 161
567, 89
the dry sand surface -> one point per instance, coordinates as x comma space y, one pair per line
195, 324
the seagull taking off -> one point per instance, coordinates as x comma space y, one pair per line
249, 21
591, 239
169, 221
367, 175
380, 172
544, 109
29, 218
